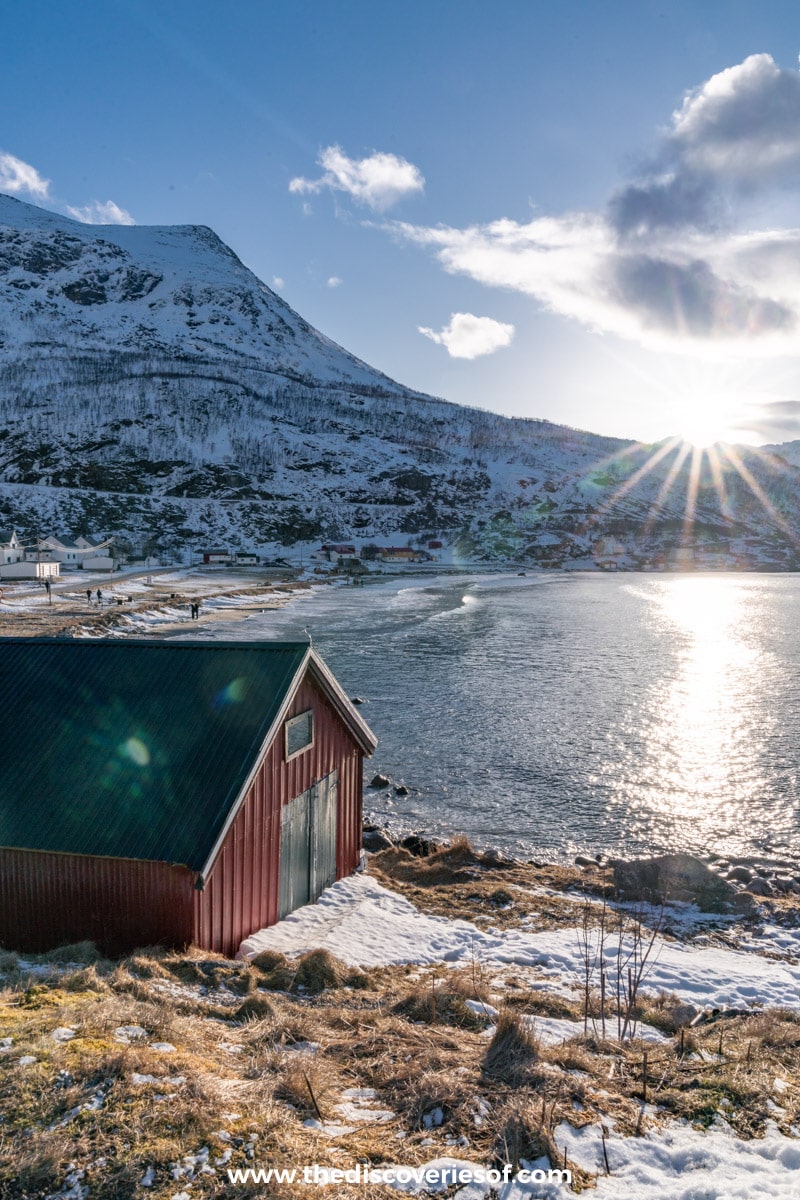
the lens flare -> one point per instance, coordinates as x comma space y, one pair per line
135, 750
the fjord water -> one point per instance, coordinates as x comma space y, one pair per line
555, 713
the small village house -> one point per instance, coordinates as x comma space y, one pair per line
16, 562
171, 792
12, 549
240, 558
81, 554
390, 554
334, 552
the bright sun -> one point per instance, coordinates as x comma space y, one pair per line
701, 433
704, 420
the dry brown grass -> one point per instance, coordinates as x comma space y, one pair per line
278, 1043
460, 881
513, 1053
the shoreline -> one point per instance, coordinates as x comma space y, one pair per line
160, 609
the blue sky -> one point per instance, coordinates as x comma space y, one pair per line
639, 285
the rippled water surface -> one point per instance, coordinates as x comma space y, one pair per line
548, 714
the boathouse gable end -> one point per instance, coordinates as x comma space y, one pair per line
241, 889
168, 757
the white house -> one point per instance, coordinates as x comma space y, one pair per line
30, 569
83, 553
11, 548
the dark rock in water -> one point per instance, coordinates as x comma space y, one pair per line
582, 861
740, 875
356, 700
419, 846
379, 781
758, 887
673, 877
375, 840
401, 790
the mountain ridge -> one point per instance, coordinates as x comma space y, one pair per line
151, 386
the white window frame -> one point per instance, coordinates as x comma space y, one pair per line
307, 714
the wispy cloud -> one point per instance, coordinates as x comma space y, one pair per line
775, 420
101, 213
468, 336
379, 180
333, 281
688, 254
277, 282
21, 179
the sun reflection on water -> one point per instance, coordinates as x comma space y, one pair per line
703, 744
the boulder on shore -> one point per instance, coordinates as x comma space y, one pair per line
674, 877
375, 840
419, 846
758, 887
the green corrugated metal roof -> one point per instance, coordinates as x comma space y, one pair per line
132, 749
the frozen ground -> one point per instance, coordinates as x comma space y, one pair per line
365, 924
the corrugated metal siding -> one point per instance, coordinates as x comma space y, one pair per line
47, 900
241, 893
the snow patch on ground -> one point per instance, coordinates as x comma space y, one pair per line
682, 1163
367, 925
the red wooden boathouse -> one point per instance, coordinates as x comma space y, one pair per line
171, 792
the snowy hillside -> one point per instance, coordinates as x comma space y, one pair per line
151, 384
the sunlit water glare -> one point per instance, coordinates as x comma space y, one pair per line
550, 714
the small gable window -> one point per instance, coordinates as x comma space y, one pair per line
299, 733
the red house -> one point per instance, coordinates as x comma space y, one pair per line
171, 792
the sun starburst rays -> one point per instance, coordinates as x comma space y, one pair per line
666, 487
707, 468
692, 488
733, 457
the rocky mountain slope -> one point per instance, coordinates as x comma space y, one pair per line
151, 385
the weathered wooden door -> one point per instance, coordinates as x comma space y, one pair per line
308, 845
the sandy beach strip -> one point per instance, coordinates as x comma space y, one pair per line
133, 607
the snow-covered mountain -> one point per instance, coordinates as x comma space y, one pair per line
151, 385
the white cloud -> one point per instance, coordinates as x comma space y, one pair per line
468, 336
333, 281
21, 179
99, 213
743, 122
379, 180
688, 256
277, 282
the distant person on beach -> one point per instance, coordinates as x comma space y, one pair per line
89, 595
99, 597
